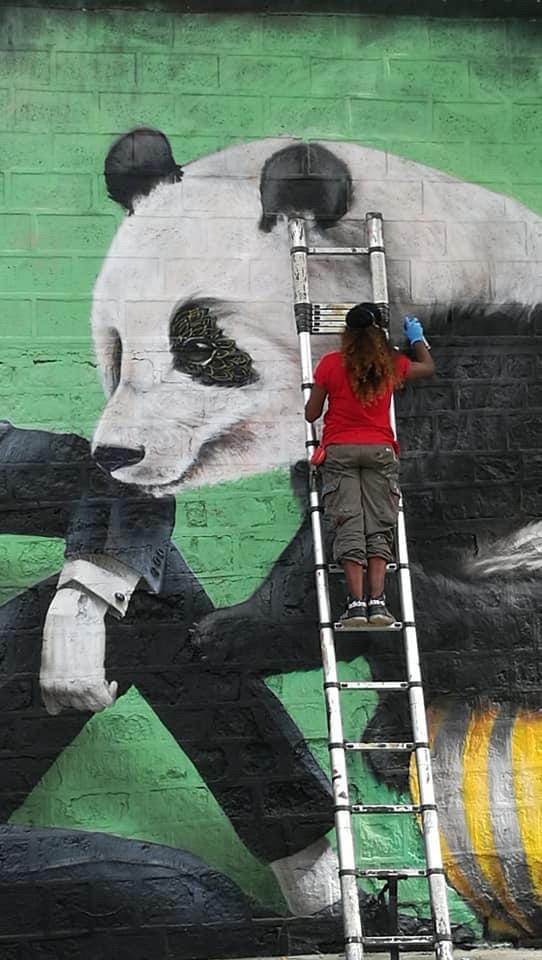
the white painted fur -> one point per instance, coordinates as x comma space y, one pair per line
519, 554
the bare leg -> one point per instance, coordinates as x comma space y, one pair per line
376, 576
353, 572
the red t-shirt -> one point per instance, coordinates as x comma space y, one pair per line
347, 420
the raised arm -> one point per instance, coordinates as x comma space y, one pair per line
422, 365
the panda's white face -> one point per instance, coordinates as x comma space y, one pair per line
192, 314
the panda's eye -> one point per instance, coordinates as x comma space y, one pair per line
197, 350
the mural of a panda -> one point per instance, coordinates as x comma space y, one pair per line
196, 346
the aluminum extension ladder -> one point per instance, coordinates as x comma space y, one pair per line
312, 318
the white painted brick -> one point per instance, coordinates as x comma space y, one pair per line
394, 199
218, 278
443, 200
143, 278
240, 238
485, 239
441, 281
148, 320
414, 239
271, 279
399, 281
534, 239
158, 236
223, 196
521, 281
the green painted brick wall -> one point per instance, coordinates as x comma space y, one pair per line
464, 96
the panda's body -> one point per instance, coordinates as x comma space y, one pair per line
196, 345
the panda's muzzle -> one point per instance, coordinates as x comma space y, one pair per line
111, 458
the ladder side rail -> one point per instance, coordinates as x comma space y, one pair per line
377, 262
431, 837
339, 776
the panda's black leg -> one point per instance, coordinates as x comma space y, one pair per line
234, 729
390, 723
112, 894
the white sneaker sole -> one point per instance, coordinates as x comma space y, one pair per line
380, 620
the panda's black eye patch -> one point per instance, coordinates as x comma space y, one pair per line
199, 348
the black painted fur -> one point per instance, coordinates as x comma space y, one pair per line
136, 163
305, 178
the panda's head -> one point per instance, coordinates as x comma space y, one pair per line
192, 314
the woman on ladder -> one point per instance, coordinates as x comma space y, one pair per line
359, 452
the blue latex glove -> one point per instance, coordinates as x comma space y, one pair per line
413, 329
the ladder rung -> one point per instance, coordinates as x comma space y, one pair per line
386, 808
367, 627
337, 251
369, 745
327, 327
399, 686
407, 942
396, 873
336, 568
332, 309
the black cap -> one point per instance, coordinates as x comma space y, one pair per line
363, 315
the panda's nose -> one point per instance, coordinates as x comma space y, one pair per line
113, 458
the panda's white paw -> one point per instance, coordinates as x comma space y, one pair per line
72, 661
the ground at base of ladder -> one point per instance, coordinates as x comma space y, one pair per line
460, 953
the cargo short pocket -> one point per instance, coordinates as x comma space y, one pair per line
331, 495
338, 499
390, 471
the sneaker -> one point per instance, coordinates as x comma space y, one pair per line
355, 614
379, 615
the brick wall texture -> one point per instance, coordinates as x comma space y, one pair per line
464, 97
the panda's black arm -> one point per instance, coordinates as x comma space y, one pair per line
122, 523
51, 487
42, 475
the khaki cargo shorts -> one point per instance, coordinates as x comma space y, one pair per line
360, 492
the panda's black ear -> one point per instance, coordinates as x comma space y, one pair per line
136, 163
304, 178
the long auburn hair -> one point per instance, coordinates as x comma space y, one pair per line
370, 362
